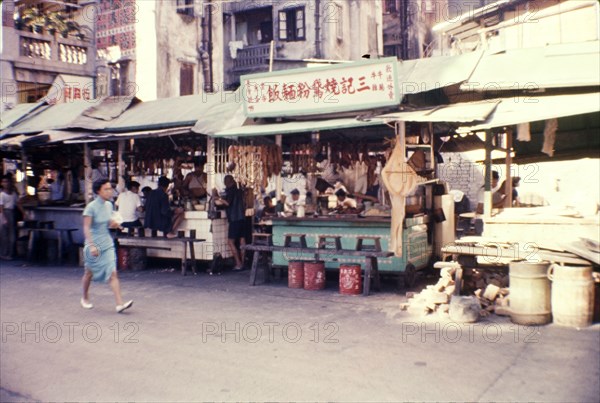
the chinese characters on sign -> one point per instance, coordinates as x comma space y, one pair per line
312, 91
75, 93
67, 88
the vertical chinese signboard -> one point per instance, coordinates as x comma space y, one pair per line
310, 91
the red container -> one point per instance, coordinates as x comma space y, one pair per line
350, 279
122, 259
296, 274
314, 275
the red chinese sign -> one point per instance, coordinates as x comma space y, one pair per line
343, 87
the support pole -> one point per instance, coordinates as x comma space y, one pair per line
278, 181
87, 163
24, 169
211, 167
121, 167
508, 184
487, 201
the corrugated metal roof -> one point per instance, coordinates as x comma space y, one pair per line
20, 110
54, 117
167, 112
99, 115
223, 115
555, 66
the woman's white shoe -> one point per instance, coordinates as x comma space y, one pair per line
126, 305
86, 305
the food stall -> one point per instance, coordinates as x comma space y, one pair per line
358, 149
122, 140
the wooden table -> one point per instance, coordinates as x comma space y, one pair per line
371, 266
60, 232
142, 242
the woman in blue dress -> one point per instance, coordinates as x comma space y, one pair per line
99, 249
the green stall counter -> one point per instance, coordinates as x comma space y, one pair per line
416, 249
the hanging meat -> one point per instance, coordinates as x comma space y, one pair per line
399, 179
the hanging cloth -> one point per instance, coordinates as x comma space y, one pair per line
550, 136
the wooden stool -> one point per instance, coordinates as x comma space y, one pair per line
375, 247
324, 241
301, 240
262, 239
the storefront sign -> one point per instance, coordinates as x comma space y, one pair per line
309, 91
68, 88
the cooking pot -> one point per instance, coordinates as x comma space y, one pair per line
414, 200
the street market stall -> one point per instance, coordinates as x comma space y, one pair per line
122, 140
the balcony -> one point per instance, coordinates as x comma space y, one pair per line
252, 59
55, 53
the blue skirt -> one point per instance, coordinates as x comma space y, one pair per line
101, 266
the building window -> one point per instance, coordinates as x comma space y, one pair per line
186, 79
390, 6
185, 7
118, 78
291, 24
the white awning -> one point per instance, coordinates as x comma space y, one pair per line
295, 127
464, 112
554, 66
512, 111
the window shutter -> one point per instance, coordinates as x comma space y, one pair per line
300, 23
283, 25
186, 79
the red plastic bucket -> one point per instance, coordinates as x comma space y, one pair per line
296, 274
314, 275
122, 259
350, 279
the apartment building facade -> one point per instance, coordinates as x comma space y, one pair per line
302, 32
47, 51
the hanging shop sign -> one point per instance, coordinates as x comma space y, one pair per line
309, 91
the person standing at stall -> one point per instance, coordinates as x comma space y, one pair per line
195, 182
8, 229
234, 203
129, 204
99, 249
497, 196
159, 216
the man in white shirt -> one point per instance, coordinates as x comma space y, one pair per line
129, 204
343, 201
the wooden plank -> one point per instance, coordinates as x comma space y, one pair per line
347, 252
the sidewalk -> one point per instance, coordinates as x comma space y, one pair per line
214, 338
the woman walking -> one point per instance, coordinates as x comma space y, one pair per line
99, 250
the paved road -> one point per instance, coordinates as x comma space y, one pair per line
202, 338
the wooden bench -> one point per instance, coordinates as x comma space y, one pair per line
370, 269
138, 239
49, 229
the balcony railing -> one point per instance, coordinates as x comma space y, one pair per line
252, 57
55, 50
